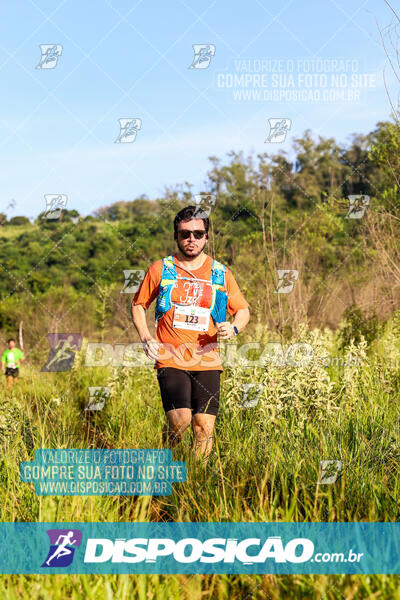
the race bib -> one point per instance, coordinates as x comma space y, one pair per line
191, 317
11, 365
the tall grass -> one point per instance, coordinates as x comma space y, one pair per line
264, 466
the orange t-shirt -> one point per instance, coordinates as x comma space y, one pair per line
185, 348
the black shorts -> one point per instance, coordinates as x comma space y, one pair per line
197, 390
12, 372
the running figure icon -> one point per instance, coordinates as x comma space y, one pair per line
63, 347
63, 544
62, 549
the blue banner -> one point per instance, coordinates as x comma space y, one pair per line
188, 548
109, 472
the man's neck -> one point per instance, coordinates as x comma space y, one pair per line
191, 263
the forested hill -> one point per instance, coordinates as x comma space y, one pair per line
270, 213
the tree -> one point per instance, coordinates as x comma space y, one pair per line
19, 221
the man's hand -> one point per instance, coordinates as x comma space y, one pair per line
225, 330
151, 348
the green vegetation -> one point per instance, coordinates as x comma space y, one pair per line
264, 467
270, 213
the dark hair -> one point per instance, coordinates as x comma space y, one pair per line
188, 213
11, 340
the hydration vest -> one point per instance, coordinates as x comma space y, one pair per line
219, 298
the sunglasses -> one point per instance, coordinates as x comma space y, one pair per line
198, 233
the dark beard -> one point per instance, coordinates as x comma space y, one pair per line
189, 255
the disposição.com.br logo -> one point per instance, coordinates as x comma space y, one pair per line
63, 543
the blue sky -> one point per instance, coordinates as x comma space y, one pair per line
131, 60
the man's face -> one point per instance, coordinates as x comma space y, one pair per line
11, 344
190, 246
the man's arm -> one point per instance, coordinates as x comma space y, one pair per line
241, 318
150, 345
237, 307
140, 302
3, 366
139, 321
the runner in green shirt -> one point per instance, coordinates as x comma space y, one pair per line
10, 362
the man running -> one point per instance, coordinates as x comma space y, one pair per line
194, 292
10, 362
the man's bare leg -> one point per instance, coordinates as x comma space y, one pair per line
178, 420
9, 381
203, 433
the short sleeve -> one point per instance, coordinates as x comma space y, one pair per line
4, 356
149, 287
236, 300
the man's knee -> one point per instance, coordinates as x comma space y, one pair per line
179, 424
203, 431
